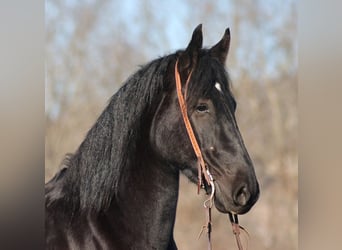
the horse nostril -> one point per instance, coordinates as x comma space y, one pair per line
242, 196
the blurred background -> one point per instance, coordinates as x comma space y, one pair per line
92, 46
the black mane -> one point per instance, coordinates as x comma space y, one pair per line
94, 169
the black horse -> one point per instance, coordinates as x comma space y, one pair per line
119, 190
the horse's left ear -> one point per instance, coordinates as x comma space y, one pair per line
220, 50
190, 56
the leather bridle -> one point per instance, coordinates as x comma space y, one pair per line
203, 170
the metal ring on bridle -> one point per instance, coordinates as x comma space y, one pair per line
209, 202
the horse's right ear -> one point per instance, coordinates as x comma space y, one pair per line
190, 56
220, 50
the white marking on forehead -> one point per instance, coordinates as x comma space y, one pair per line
218, 86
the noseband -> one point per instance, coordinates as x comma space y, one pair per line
203, 170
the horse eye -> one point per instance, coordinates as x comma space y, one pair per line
202, 108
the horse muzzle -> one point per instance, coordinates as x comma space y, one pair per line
238, 200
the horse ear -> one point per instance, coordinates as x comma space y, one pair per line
196, 40
190, 55
220, 50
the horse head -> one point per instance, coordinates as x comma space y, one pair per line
211, 110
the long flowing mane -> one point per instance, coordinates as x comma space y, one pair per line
94, 170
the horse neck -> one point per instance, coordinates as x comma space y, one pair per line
146, 201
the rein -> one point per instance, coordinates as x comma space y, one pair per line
203, 171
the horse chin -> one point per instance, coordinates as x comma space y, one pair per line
223, 206
224, 203
228, 207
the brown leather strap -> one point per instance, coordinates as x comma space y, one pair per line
236, 229
194, 143
209, 228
